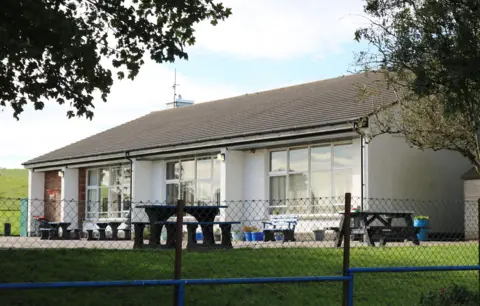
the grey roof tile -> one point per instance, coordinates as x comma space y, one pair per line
315, 103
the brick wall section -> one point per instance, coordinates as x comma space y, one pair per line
82, 185
52, 205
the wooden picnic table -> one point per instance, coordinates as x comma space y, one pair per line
56, 226
362, 225
158, 214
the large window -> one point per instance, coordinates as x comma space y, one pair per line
108, 192
307, 180
196, 180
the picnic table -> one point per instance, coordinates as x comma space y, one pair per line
159, 214
56, 226
102, 227
362, 225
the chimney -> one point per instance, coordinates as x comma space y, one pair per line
179, 102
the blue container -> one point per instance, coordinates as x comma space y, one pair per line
199, 236
257, 236
423, 233
248, 236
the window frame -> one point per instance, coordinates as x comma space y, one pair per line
333, 199
98, 187
212, 180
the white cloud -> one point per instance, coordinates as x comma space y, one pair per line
39, 132
267, 29
281, 29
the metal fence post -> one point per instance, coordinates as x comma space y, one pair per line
178, 251
350, 289
181, 294
346, 248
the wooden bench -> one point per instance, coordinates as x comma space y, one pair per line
280, 223
393, 233
47, 233
382, 233
207, 229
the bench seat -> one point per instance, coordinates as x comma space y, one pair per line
280, 223
207, 229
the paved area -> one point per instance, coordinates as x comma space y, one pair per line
36, 243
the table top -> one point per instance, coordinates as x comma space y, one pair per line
388, 213
161, 206
59, 223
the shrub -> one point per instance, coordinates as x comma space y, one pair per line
422, 218
452, 295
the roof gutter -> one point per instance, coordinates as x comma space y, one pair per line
345, 125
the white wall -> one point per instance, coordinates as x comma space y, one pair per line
231, 185
398, 172
36, 188
255, 187
141, 187
357, 168
69, 197
158, 188
472, 194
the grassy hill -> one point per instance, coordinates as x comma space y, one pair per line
13, 183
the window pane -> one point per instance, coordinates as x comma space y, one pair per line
278, 161
204, 168
298, 160
187, 192
126, 174
216, 192
342, 156
126, 201
115, 206
116, 176
173, 170
92, 203
104, 177
342, 182
298, 186
321, 185
204, 192
92, 178
172, 194
320, 158
104, 202
277, 190
216, 168
188, 170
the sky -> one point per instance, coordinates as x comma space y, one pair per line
264, 44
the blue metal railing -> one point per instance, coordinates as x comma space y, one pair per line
181, 283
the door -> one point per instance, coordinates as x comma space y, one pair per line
52, 205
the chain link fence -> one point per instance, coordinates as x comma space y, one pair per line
302, 237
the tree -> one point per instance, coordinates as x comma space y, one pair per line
429, 51
56, 49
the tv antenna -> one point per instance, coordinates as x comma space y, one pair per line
175, 86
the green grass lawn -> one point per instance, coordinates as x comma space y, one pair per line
372, 289
13, 186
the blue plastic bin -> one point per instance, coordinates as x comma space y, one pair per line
199, 236
423, 233
257, 236
248, 236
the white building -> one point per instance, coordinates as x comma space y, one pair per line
238, 150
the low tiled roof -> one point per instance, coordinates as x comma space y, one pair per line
305, 105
